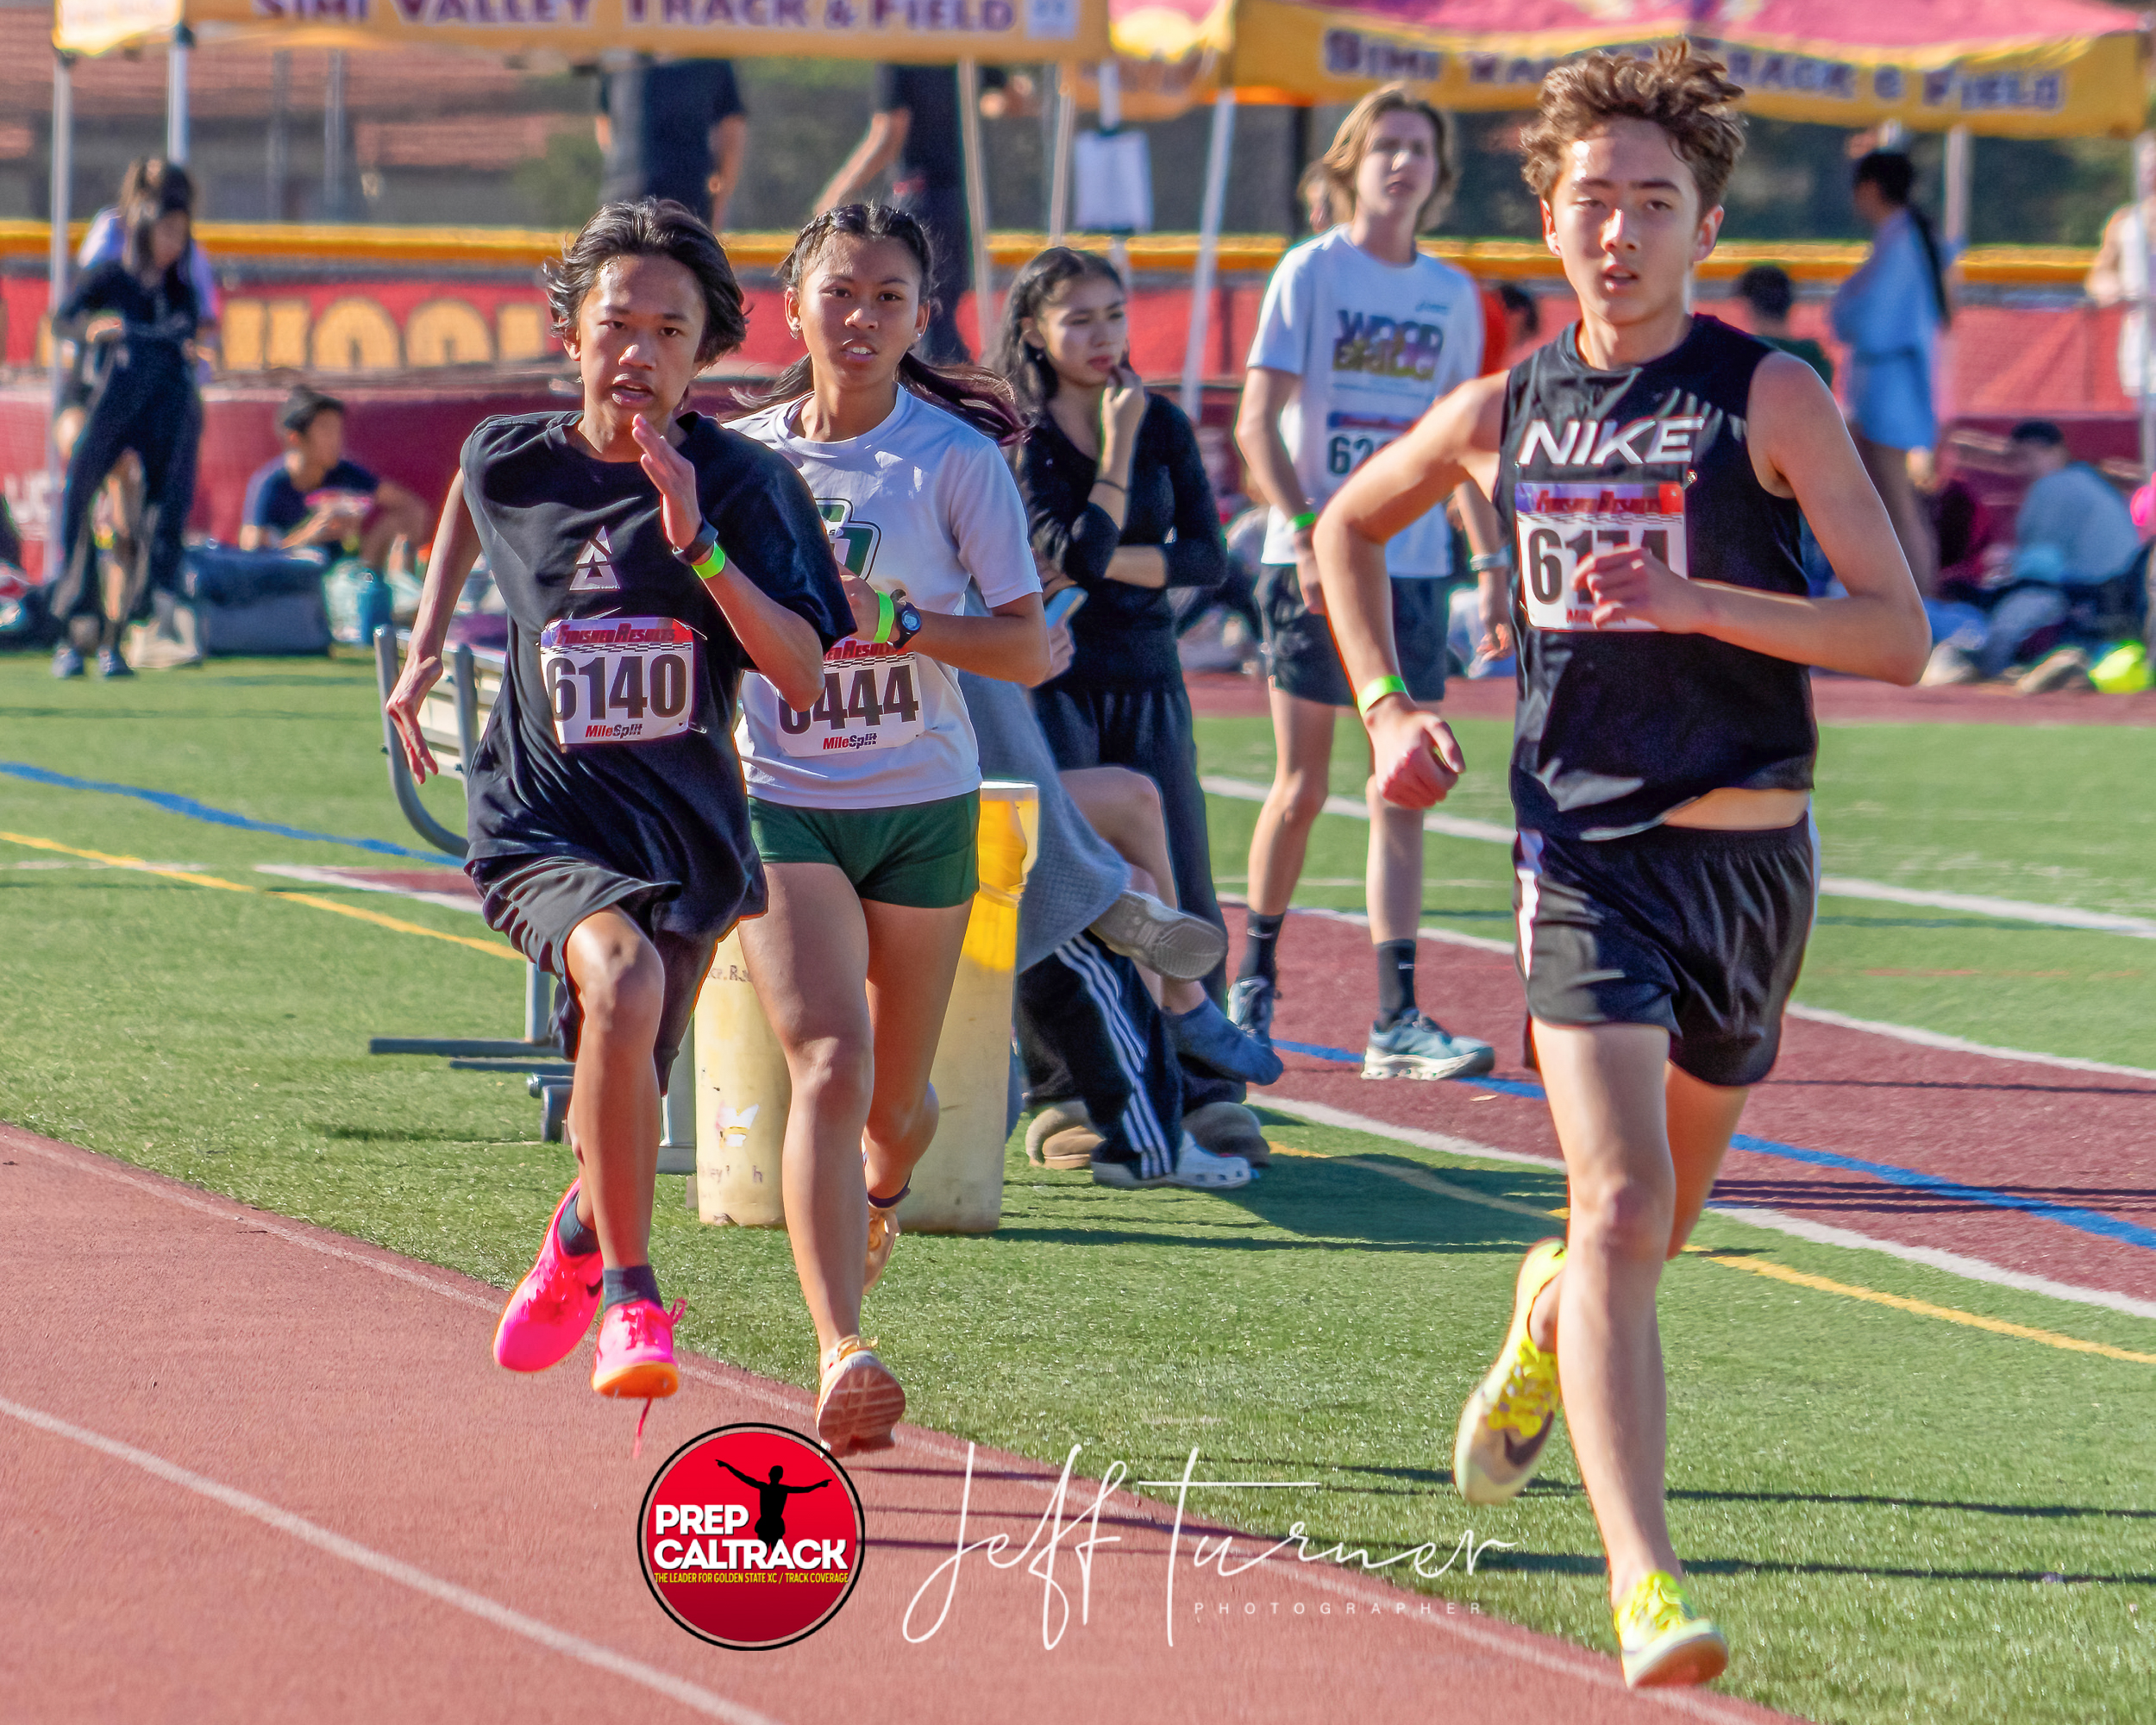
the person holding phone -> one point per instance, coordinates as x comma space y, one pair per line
1119, 505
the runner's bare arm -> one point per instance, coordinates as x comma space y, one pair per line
456, 548
1800, 449
1418, 759
779, 643
1266, 392
1010, 643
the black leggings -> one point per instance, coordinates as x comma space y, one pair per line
1147, 729
152, 409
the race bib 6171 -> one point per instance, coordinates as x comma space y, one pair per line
619, 679
1561, 525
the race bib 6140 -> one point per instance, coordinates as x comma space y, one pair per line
619, 679
1561, 525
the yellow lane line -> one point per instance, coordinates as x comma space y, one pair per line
492, 949
1426, 1182
1923, 1308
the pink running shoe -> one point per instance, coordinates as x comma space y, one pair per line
635, 1350
552, 1307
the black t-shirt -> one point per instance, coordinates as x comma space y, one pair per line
659, 119
1124, 636
1614, 730
159, 319
569, 537
930, 95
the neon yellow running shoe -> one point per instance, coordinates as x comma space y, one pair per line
1509, 1418
1662, 1637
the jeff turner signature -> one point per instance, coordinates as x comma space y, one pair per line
1046, 1542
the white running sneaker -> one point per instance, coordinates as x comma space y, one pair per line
1166, 941
1195, 1167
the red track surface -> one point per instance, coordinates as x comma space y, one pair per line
2077, 1139
425, 1537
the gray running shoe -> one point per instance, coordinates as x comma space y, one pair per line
1164, 940
1250, 1003
1204, 1037
1418, 1046
66, 661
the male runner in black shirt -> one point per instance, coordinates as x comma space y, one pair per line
647, 556
1651, 465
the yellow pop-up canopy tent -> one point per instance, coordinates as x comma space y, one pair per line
2010, 68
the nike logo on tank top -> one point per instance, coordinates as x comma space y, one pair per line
1618, 727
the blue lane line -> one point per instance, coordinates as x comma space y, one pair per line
2087, 1221
195, 811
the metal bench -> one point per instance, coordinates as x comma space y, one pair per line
453, 718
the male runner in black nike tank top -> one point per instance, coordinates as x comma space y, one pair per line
1652, 466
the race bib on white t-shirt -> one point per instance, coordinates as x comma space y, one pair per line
1561, 525
871, 699
619, 679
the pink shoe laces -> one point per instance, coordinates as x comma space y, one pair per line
638, 1320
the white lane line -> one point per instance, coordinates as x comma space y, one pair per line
1834, 885
339, 877
691, 1695
1955, 1045
1950, 1263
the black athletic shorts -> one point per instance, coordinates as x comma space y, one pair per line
1699, 933
538, 900
1301, 660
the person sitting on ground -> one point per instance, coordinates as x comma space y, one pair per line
2072, 535
313, 496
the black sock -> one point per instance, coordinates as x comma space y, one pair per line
1395, 981
1261, 941
574, 1238
631, 1282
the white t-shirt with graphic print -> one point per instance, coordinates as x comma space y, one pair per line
1375, 345
923, 503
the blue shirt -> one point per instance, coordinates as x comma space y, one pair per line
274, 502
2074, 529
1889, 315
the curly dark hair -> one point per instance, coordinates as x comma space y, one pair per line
976, 395
1689, 95
649, 228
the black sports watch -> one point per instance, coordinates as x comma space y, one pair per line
905, 621
698, 550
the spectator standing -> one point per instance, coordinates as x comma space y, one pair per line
1359, 333
915, 129
107, 240
1770, 295
1890, 313
1117, 503
673, 128
314, 496
2121, 272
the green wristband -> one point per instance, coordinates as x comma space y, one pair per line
1376, 690
714, 562
1305, 522
886, 613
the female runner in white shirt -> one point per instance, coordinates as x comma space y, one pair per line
865, 805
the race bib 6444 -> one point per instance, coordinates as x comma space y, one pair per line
619, 679
1561, 525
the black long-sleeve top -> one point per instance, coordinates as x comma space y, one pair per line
1124, 636
161, 319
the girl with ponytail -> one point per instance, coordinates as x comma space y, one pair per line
1890, 313
865, 803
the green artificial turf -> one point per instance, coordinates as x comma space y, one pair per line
1895, 1517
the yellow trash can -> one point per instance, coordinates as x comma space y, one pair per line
743, 1090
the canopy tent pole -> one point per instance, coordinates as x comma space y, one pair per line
1955, 224
56, 287
1065, 141
176, 96
2145, 396
984, 292
1209, 219
1111, 89
333, 172
278, 163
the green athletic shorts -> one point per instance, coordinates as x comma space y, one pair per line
917, 854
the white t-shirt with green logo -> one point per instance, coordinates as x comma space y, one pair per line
923, 503
1375, 345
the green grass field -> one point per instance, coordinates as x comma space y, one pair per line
1897, 1518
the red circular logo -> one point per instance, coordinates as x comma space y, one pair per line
751, 1536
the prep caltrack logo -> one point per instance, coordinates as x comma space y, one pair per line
751, 1536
